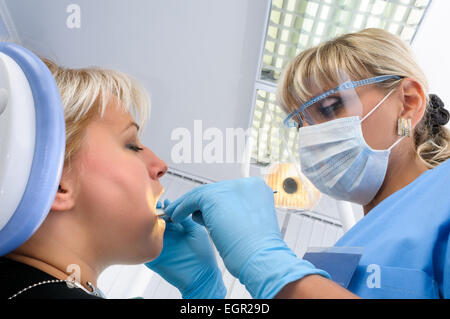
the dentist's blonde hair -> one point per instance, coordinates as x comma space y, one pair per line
365, 54
86, 92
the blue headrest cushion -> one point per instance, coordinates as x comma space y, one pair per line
49, 150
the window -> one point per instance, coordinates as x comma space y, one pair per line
298, 24
267, 119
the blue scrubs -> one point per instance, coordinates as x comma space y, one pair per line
406, 241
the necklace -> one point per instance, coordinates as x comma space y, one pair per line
71, 284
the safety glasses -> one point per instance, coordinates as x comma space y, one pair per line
335, 103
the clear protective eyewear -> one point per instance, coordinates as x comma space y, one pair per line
341, 101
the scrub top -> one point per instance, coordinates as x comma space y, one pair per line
406, 242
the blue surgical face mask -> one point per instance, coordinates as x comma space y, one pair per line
335, 157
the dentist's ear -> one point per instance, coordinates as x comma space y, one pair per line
413, 100
65, 196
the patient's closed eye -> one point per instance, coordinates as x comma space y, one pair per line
134, 148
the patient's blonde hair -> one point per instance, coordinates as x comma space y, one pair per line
86, 92
365, 54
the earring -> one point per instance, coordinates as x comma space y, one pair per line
404, 127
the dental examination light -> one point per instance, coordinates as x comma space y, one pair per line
32, 144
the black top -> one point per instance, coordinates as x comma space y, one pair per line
16, 276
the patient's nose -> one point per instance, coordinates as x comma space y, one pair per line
156, 166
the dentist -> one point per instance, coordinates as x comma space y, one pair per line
369, 133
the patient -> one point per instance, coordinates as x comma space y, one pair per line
104, 212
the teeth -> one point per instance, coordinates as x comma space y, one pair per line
160, 212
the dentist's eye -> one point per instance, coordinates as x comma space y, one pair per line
134, 148
330, 106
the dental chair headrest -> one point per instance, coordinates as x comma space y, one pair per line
32, 144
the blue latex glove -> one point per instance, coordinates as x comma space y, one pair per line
188, 261
241, 219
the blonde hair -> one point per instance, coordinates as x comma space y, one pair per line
86, 92
368, 53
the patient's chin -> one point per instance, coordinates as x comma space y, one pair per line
156, 239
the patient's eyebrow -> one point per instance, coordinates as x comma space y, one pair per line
131, 125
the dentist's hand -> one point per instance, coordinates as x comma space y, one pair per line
241, 219
188, 261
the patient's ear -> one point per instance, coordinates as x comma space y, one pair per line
65, 196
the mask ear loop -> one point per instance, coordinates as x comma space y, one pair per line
398, 141
375, 108
378, 105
